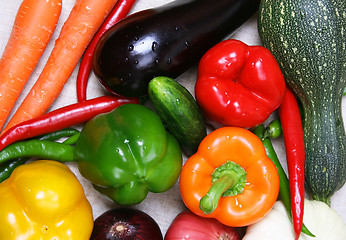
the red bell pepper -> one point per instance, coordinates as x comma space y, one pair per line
239, 85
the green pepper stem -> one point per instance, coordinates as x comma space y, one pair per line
209, 202
227, 180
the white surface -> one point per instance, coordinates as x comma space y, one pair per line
165, 206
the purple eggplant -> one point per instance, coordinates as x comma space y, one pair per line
164, 41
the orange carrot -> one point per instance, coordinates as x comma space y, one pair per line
33, 27
83, 22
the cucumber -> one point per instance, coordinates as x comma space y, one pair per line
164, 41
179, 112
307, 37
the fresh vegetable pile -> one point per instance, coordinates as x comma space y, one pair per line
165, 121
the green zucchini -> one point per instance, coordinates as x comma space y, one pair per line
179, 112
307, 37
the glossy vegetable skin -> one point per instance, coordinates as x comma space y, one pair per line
308, 40
179, 112
208, 178
61, 118
40, 149
188, 225
128, 153
125, 224
44, 200
292, 128
164, 41
239, 85
119, 11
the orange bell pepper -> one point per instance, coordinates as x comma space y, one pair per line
230, 178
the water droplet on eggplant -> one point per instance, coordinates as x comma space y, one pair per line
154, 46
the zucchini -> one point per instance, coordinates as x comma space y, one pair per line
179, 112
307, 37
164, 41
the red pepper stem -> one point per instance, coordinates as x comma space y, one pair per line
227, 180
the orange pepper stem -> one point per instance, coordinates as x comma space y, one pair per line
227, 180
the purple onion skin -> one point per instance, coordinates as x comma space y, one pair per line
125, 224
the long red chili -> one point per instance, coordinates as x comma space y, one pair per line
292, 129
120, 11
62, 118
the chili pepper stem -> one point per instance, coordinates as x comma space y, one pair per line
227, 180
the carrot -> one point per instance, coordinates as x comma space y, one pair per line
33, 27
83, 22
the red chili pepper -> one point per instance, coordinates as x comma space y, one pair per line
239, 85
62, 118
120, 11
292, 129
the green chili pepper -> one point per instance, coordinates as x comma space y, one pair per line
42, 149
54, 136
6, 168
284, 190
72, 140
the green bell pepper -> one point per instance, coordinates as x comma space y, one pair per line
124, 153
127, 153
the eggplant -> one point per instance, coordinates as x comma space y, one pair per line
164, 41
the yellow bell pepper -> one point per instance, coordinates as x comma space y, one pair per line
44, 200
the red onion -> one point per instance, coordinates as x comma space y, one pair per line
188, 225
125, 224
